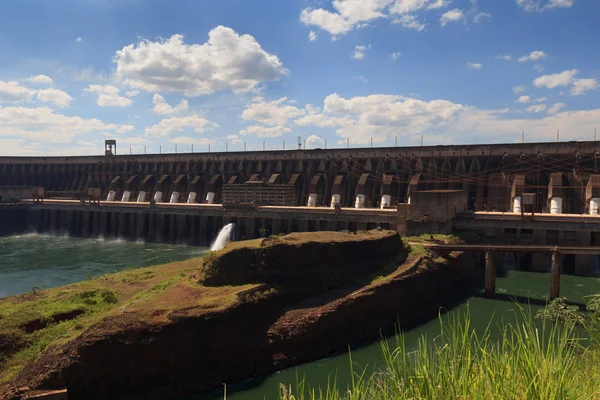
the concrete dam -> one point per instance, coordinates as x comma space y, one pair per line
529, 193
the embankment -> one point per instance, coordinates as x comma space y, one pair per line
189, 337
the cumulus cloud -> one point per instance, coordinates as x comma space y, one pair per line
162, 107
451, 16
312, 36
536, 109
13, 92
381, 116
518, 89
125, 129
265, 131
581, 86
395, 56
533, 56
505, 57
411, 22
354, 14
524, 99
132, 93
108, 96
79, 39
180, 124
475, 65
39, 79
226, 61
48, 125
359, 52
277, 112
55, 96
551, 81
556, 108
313, 141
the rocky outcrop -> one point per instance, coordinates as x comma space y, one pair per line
302, 262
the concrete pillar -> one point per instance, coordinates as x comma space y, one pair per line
594, 205
517, 204
174, 197
360, 201
555, 276
141, 197
386, 200
556, 205
192, 197
312, 200
126, 196
210, 197
490, 274
111, 196
335, 199
158, 196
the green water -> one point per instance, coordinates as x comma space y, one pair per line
517, 284
47, 261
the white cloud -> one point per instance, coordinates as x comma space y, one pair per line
482, 16
39, 79
226, 61
538, 67
518, 89
451, 16
556, 108
12, 92
108, 96
264, 131
580, 86
180, 124
355, 14
539, 5
132, 93
506, 57
45, 124
560, 3
162, 107
126, 129
536, 109
410, 21
475, 65
381, 116
541, 99
395, 55
79, 39
359, 52
55, 96
551, 81
313, 141
312, 36
524, 99
277, 112
235, 139
533, 56
191, 140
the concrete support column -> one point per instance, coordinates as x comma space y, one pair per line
555, 276
490, 274
202, 238
250, 228
275, 226
361, 226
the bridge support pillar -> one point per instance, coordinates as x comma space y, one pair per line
555, 276
490, 274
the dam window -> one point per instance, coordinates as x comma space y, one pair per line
527, 233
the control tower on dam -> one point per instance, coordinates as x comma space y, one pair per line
428, 189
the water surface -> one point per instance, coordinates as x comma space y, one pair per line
45, 261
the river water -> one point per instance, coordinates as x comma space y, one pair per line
47, 261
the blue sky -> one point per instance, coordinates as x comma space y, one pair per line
177, 73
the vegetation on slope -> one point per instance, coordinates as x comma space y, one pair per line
551, 360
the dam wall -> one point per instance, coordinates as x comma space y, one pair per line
492, 176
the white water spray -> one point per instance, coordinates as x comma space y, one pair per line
223, 237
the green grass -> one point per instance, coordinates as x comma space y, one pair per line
529, 360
